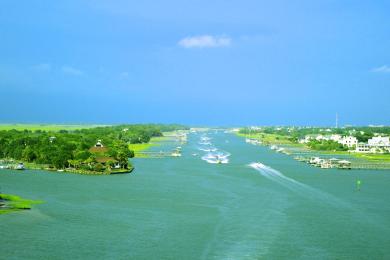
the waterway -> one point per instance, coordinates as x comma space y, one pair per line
201, 206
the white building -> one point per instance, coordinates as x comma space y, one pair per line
363, 148
377, 144
335, 137
348, 141
379, 141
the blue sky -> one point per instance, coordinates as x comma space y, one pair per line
195, 62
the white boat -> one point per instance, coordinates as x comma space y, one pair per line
176, 154
20, 166
315, 161
257, 165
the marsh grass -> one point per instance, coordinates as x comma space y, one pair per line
14, 203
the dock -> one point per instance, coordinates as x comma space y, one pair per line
160, 154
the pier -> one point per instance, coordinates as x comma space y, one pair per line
160, 154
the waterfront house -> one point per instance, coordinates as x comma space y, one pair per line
335, 137
100, 153
377, 144
349, 141
363, 148
99, 143
379, 141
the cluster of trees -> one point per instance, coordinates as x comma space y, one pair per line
72, 148
324, 145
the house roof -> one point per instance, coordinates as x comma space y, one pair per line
98, 149
105, 159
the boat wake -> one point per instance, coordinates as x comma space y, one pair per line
204, 143
212, 154
208, 149
296, 186
216, 158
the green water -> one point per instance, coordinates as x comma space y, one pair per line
186, 208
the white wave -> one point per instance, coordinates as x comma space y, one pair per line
205, 138
216, 158
220, 161
208, 149
296, 186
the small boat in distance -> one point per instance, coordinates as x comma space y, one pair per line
257, 165
20, 166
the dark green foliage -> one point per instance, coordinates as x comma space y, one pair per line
71, 148
98, 167
327, 146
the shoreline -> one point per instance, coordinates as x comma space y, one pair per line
359, 161
154, 141
43, 167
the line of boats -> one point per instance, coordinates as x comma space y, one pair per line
212, 154
176, 152
253, 141
13, 166
316, 161
325, 163
279, 149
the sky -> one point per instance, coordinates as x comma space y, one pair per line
247, 62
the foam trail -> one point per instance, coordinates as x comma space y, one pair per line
216, 158
208, 149
297, 186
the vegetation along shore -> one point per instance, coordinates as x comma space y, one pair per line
346, 147
77, 149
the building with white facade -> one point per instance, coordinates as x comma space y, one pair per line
377, 144
349, 141
379, 141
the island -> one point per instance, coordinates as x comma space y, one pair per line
84, 150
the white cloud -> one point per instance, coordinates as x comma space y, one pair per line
383, 69
72, 71
42, 67
124, 75
205, 41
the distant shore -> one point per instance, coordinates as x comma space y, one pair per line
359, 160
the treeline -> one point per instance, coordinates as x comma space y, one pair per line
325, 145
362, 133
63, 148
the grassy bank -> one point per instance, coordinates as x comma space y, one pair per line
10, 203
374, 157
270, 138
154, 141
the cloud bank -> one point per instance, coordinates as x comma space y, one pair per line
383, 69
205, 41
72, 71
